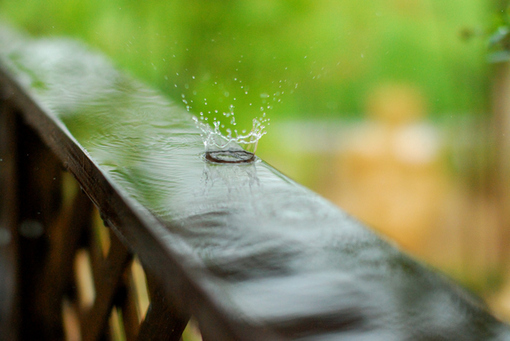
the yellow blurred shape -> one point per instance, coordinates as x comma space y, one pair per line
390, 172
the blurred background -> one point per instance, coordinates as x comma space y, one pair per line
396, 110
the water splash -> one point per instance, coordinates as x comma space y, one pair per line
223, 139
233, 141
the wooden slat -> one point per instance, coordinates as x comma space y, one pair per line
64, 237
128, 305
106, 285
95, 250
162, 321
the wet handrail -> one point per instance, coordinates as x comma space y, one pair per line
247, 252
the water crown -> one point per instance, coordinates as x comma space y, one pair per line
228, 145
232, 146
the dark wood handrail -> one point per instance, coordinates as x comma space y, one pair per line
247, 252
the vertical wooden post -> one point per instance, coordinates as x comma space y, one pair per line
38, 202
9, 315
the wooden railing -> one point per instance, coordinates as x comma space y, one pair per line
102, 177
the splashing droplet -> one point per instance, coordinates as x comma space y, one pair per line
233, 147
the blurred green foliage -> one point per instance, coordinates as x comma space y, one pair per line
291, 58
499, 41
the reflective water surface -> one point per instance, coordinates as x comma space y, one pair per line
272, 252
